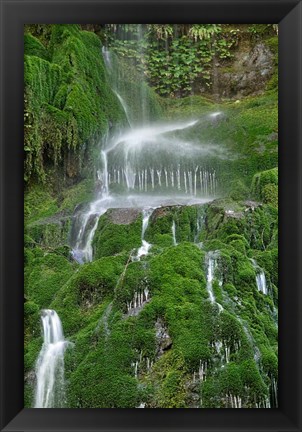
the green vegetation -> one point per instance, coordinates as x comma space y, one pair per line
68, 102
158, 330
178, 58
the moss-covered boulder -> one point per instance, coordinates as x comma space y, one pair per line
118, 230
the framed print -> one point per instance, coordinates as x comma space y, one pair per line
151, 240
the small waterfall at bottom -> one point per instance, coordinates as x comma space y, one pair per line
50, 387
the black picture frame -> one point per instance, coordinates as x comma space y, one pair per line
14, 14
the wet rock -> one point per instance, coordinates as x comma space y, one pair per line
251, 205
30, 378
273, 136
193, 392
123, 216
163, 339
248, 73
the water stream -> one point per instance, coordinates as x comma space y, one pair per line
211, 262
50, 387
144, 249
260, 278
174, 233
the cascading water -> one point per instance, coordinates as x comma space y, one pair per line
151, 164
260, 278
211, 262
174, 234
144, 249
50, 387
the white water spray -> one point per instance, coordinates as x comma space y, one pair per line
50, 388
211, 261
145, 247
260, 278
174, 233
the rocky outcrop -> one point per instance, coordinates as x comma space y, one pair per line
123, 216
163, 339
247, 74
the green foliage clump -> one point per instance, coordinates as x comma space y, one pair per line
39, 203
159, 231
91, 285
265, 186
173, 58
68, 102
45, 276
256, 224
31, 321
33, 47
169, 373
79, 193
111, 238
94, 281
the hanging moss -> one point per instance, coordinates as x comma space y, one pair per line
33, 47
68, 101
263, 180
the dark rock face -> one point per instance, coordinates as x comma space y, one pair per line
164, 341
248, 74
30, 378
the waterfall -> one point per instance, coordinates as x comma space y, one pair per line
138, 301
174, 234
50, 387
260, 278
261, 282
149, 162
211, 264
274, 393
125, 108
211, 261
144, 249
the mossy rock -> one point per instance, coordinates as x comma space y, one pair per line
113, 238
91, 285
261, 181
33, 47
51, 232
46, 275
161, 220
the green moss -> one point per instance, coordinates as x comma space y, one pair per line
231, 380
111, 238
257, 225
238, 190
77, 301
169, 372
39, 203
47, 275
68, 103
31, 321
267, 179
270, 194
31, 352
33, 47
79, 193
